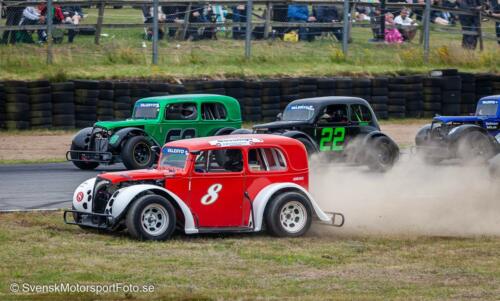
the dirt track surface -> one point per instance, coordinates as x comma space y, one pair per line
53, 146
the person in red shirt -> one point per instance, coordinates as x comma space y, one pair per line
57, 18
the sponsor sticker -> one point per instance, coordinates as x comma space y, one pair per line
148, 105
79, 196
174, 150
235, 141
301, 107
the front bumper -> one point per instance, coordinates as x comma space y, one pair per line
89, 156
336, 216
91, 220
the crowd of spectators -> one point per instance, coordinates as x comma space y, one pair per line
401, 25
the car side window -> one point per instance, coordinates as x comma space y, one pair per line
360, 113
334, 114
224, 160
213, 111
181, 111
266, 159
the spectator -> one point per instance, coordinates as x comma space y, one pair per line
392, 34
300, 14
174, 14
469, 23
148, 14
31, 16
375, 23
406, 25
328, 14
196, 16
442, 17
495, 12
280, 14
72, 15
14, 15
239, 15
57, 18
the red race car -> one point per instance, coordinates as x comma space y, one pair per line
217, 184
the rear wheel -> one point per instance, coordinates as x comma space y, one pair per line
137, 154
382, 154
288, 215
475, 147
82, 164
151, 217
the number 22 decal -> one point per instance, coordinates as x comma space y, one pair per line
334, 136
212, 194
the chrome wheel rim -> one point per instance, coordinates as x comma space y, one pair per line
293, 217
154, 219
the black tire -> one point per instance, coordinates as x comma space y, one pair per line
382, 155
475, 147
311, 150
80, 164
161, 211
297, 215
137, 154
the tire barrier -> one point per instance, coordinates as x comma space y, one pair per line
79, 103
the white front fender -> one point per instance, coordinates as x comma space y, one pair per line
262, 198
120, 200
82, 197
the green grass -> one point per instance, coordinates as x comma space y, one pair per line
30, 161
38, 248
121, 55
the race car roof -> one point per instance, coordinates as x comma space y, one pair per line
329, 100
243, 140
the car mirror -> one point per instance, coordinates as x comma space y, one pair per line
279, 116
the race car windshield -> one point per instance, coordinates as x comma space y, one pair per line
146, 110
298, 113
487, 108
173, 157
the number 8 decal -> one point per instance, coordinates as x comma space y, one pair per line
212, 194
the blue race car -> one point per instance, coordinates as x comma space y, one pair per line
465, 137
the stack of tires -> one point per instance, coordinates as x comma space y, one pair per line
63, 105
139, 91
158, 89
483, 85
271, 99
396, 103
379, 98
252, 103
451, 94
17, 105
362, 88
289, 91
432, 96
308, 87
414, 97
40, 104
2, 106
326, 87
234, 89
86, 96
105, 102
343, 86
213, 87
194, 87
468, 93
176, 89
122, 107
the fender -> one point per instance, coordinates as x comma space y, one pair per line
224, 131
260, 202
122, 198
241, 132
116, 139
422, 134
86, 190
80, 137
458, 132
299, 134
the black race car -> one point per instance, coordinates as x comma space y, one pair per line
345, 128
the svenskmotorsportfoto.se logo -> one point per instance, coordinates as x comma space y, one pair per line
29, 288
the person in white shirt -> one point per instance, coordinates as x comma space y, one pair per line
406, 25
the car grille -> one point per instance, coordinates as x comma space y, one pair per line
101, 144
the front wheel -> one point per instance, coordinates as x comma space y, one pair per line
311, 150
137, 154
289, 215
151, 217
82, 164
382, 154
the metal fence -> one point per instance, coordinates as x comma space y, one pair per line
239, 20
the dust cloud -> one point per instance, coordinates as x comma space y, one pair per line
413, 198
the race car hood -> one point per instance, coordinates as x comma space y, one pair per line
138, 175
110, 125
282, 124
462, 119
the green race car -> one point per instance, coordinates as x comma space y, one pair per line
154, 122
